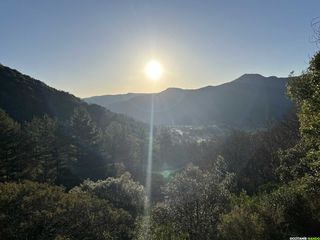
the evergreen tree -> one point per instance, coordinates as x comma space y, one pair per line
87, 139
49, 153
41, 149
65, 158
10, 157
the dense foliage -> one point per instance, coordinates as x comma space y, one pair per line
64, 140
80, 177
45, 150
121, 192
194, 201
292, 208
32, 210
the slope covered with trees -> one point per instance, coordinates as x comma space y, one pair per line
52, 136
246, 185
23, 97
265, 184
292, 208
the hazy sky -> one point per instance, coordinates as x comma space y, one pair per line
100, 47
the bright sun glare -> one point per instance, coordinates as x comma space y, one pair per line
153, 70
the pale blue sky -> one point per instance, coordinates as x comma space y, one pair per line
100, 47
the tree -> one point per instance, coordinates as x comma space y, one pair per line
304, 158
292, 208
65, 154
40, 149
121, 147
243, 221
32, 210
48, 152
121, 192
86, 137
10, 158
150, 229
195, 199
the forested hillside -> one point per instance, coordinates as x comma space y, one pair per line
23, 97
203, 121
82, 176
60, 138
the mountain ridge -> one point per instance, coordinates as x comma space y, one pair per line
23, 98
262, 98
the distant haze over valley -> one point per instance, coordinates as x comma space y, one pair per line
251, 100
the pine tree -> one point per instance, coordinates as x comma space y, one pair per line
86, 138
10, 165
40, 148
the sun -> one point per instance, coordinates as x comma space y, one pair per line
153, 70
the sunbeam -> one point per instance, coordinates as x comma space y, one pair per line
149, 164
146, 220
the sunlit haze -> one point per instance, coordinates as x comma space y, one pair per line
153, 70
94, 49
159, 119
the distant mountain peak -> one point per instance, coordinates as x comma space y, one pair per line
250, 76
252, 100
172, 89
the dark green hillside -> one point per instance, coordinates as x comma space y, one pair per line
23, 97
64, 140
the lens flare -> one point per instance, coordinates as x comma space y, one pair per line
165, 173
